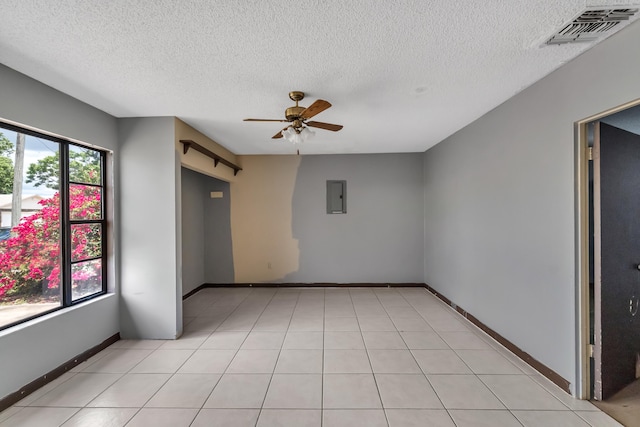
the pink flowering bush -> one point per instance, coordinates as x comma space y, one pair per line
30, 258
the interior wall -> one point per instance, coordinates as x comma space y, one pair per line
151, 291
379, 239
218, 247
264, 249
499, 203
282, 233
192, 231
207, 255
34, 348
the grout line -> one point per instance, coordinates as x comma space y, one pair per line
375, 380
197, 348
266, 392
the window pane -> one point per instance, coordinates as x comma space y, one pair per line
86, 278
86, 241
84, 165
30, 254
85, 202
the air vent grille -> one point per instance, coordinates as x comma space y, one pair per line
592, 25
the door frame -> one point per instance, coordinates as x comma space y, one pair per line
582, 215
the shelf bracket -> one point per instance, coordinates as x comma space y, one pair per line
187, 144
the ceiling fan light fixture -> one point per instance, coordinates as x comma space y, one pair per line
297, 136
307, 134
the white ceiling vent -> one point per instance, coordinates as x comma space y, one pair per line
594, 24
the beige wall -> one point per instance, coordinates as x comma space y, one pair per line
198, 161
261, 216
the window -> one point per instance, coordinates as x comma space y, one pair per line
52, 229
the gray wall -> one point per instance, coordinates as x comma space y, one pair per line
192, 231
38, 346
628, 120
218, 251
379, 239
151, 291
206, 231
499, 203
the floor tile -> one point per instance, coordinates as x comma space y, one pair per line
272, 324
488, 362
424, 341
83, 365
376, 323
411, 324
393, 362
343, 341
550, 419
40, 417
464, 341
253, 362
346, 362
163, 417
44, 389
354, 417
189, 340
383, 341
77, 391
521, 392
285, 362
131, 390
208, 362
447, 325
239, 391
350, 391
370, 310
103, 417
299, 362
12, 410
406, 391
440, 362
292, 391
341, 324
204, 323
138, 344
225, 340
290, 417
598, 419
484, 418
342, 310
184, 391
118, 361
563, 396
303, 341
300, 324
162, 361
397, 312
226, 418
419, 418
463, 392
237, 324
263, 341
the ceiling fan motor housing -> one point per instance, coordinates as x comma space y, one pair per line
293, 113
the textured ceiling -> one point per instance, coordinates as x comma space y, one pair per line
401, 74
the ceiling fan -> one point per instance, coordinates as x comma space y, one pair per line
297, 116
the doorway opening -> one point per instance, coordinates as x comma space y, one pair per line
608, 230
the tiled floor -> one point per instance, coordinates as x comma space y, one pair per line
308, 357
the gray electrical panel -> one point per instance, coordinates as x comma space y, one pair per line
336, 197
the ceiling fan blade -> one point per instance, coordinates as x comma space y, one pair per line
279, 134
327, 126
264, 120
317, 107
